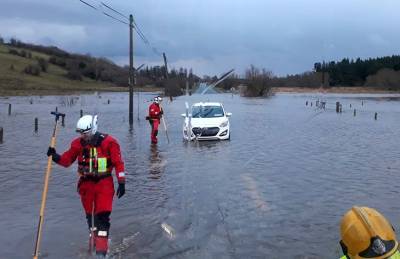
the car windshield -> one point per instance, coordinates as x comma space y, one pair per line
207, 111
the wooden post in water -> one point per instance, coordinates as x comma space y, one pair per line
9, 109
350, 105
306, 103
56, 109
376, 115
108, 102
36, 124
337, 107
81, 113
1, 135
311, 104
62, 121
354, 112
340, 108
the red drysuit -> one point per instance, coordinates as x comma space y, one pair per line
155, 113
96, 161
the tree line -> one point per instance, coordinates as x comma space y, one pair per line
382, 72
349, 72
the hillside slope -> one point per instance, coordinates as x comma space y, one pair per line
14, 81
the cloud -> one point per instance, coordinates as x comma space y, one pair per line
377, 40
285, 36
62, 35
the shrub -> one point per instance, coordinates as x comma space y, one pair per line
43, 64
257, 82
74, 75
32, 70
13, 52
23, 53
57, 61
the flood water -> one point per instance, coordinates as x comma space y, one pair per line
277, 189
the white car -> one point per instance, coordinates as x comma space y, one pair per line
206, 121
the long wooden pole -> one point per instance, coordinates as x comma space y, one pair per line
131, 72
165, 127
44, 194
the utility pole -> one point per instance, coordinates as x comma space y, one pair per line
131, 72
166, 76
166, 66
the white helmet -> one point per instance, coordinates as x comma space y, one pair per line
157, 99
87, 123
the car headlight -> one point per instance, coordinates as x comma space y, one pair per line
224, 124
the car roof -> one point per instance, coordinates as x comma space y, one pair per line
207, 104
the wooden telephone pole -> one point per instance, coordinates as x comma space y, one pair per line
131, 72
166, 65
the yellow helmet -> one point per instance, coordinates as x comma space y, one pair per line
366, 233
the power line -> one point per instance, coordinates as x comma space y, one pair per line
135, 26
88, 5
112, 9
143, 37
112, 17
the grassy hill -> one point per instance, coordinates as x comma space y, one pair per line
15, 81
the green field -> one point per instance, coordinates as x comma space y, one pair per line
13, 81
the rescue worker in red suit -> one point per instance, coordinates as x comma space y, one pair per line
155, 114
97, 154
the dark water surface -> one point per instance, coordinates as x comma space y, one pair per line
277, 189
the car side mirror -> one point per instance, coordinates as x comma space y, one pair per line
228, 114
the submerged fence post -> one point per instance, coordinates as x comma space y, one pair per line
81, 113
36, 124
340, 108
56, 109
1, 135
306, 103
108, 102
337, 107
62, 121
354, 112
311, 104
9, 109
376, 115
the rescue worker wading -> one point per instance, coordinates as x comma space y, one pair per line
97, 155
155, 114
366, 234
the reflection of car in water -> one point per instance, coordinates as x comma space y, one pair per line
206, 121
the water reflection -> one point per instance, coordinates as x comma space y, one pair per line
157, 163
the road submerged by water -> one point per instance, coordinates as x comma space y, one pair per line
277, 189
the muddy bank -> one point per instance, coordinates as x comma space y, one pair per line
343, 90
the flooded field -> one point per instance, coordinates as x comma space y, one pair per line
277, 189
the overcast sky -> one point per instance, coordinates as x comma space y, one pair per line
213, 36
